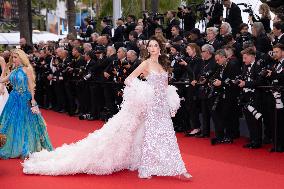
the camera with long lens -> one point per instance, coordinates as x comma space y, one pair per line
257, 115
179, 57
278, 101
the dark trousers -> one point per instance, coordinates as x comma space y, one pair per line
278, 129
109, 97
267, 107
223, 117
70, 88
97, 99
84, 97
59, 90
192, 106
254, 127
205, 112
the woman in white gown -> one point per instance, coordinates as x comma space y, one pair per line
139, 137
4, 95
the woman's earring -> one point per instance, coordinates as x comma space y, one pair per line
160, 53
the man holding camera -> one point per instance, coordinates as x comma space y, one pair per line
251, 97
277, 76
224, 98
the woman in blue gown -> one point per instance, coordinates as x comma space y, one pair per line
21, 120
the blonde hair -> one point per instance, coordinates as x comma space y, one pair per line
265, 11
25, 62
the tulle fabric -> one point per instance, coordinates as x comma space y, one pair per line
116, 146
3, 99
26, 132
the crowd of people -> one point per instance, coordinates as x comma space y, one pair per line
221, 74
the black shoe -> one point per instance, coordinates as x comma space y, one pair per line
203, 135
83, 117
92, 118
216, 141
228, 140
252, 145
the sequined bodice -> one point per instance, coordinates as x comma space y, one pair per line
159, 81
19, 80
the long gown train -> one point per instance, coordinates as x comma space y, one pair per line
123, 141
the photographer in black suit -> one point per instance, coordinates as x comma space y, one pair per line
215, 14
233, 15
84, 97
251, 97
172, 21
276, 75
224, 98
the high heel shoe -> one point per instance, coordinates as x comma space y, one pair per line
185, 176
144, 177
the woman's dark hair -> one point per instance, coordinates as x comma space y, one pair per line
163, 58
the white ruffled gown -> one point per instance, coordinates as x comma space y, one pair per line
3, 99
139, 137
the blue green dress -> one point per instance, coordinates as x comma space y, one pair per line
26, 132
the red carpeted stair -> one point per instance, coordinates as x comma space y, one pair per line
222, 166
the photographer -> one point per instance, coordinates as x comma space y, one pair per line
84, 97
151, 22
172, 21
129, 26
133, 61
224, 98
211, 37
187, 15
251, 97
233, 15
74, 74
215, 14
244, 35
118, 31
192, 64
176, 37
89, 29
106, 29
261, 40
277, 76
181, 120
265, 18
208, 69
278, 32
109, 93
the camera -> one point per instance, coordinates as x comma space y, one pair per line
235, 81
278, 101
257, 115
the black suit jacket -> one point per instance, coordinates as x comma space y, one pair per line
281, 40
234, 18
107, 30
118, 34
172, 23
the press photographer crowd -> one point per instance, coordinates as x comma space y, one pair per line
228, 72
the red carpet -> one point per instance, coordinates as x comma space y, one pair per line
224, 166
